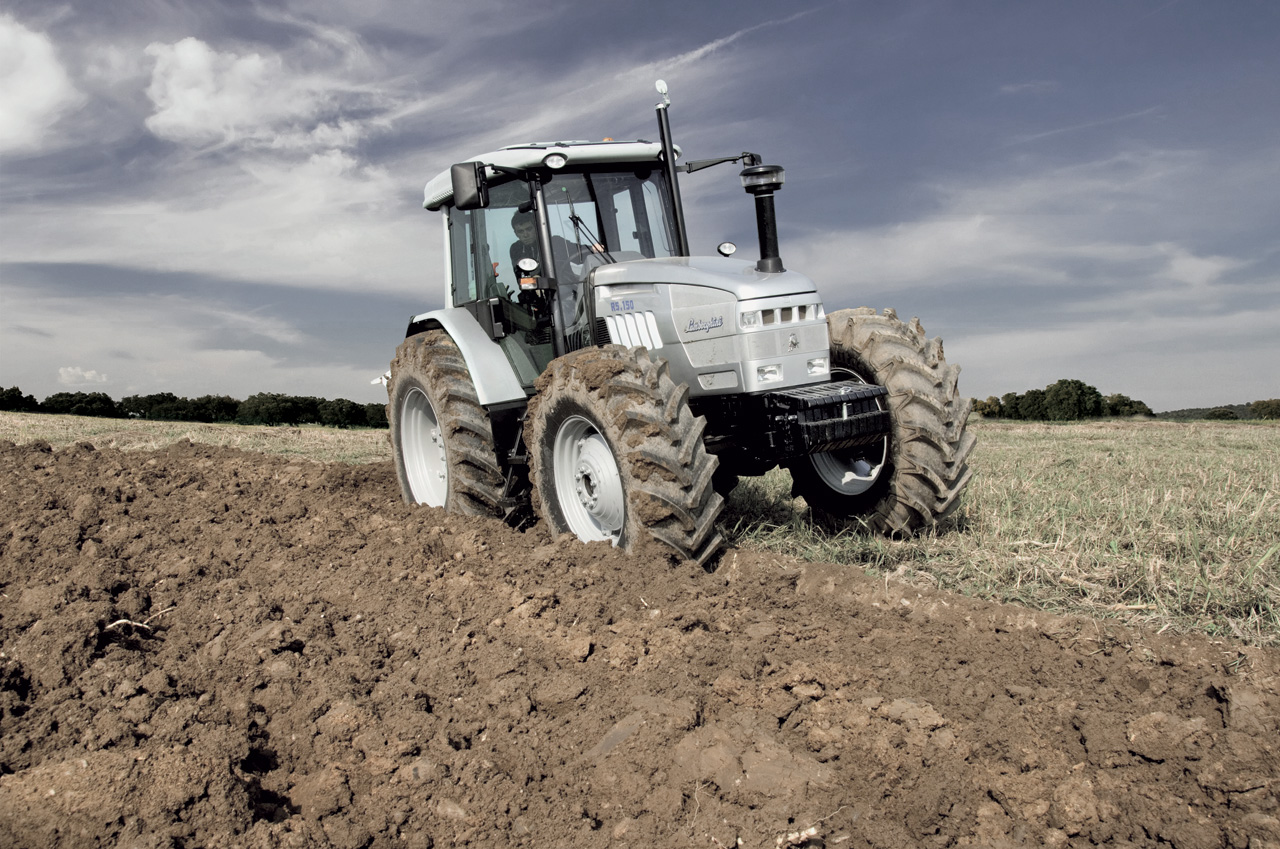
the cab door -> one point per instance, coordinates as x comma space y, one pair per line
486, 287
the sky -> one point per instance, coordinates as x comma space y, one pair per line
225, 197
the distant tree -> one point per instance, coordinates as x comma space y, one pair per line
265, 408
341, 413
1221, 414
81, 404
1123, 405
989, 408
1064, 400
306, 409
375, 415
1031, 405
1116, 404
177, 410
144, 406
270, 408
215, 408
1069, 400
13, 401
165, 406
1269, 409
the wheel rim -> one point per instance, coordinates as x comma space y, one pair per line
845, 472
588, 485
422, 449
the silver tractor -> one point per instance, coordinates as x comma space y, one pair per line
589, 370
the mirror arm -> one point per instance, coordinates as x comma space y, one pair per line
746, 158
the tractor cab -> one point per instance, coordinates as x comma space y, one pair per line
527, 225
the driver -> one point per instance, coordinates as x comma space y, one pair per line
525, 225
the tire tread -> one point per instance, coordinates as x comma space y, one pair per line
666, 469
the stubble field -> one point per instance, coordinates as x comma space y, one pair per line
244, 638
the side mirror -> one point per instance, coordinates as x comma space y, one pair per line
470, 190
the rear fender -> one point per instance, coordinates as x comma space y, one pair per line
494, 378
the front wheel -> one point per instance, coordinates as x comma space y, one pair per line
616, 455
910, 481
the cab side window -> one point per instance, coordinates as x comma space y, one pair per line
480, 243
462, 255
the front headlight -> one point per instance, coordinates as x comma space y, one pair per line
750, 319
769, 373
818, 365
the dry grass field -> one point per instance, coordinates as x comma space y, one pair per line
1175, 525
1170, 525
318, 443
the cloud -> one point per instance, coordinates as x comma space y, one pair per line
599, 96
701, 52
1178, 361
326, 220
1029, 87
1199, 271
1101, 270
275, 183
35, 90
202, 341
76, 376
1087, 125
204, 97
1109, 219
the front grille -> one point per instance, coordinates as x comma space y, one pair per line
791, 315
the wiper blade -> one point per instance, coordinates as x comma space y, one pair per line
580, 227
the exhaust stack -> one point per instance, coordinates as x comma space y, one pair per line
762, 181
669, 165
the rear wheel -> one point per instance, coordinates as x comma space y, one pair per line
440, 435
911, 481
616, 455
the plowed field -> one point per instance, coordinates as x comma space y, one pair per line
204, 647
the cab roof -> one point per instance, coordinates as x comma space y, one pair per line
530, 155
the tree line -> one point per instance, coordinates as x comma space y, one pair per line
1066, 400
1072, 400
264, 408
1268, 409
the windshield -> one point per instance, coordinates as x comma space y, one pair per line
624, 211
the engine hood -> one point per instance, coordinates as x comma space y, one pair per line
734, 275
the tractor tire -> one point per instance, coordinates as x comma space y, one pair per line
615, 454
440, 435
912, 481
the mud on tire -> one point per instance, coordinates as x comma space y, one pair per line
914, 482
440, 435
615, 454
